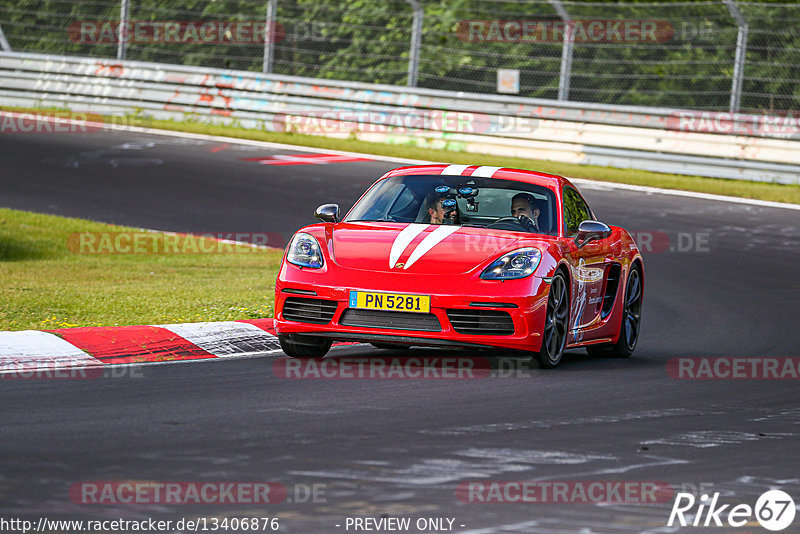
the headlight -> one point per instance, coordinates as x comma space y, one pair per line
304, 251
517, 264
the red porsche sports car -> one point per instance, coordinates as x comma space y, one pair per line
462, 256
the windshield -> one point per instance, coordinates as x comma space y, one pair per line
459, 200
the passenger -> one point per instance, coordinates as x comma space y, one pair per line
438, 213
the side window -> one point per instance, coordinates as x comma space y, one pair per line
575, 211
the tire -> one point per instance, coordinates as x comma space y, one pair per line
629, 325
300, 346
554, 335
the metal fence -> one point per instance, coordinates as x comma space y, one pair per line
711, 55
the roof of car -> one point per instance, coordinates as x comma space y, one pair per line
520, 175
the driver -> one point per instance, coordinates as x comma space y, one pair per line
525, 204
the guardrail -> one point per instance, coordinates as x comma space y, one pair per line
657, 139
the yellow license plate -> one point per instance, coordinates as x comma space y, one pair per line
390, 301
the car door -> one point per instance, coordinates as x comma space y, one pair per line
588, 265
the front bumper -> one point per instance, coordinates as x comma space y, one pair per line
524, 301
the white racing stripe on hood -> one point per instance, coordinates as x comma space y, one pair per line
430, 241
454, 169
403, 239
485, 172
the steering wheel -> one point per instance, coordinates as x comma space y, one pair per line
521, 224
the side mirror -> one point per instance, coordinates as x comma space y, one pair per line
327, 213
591, 231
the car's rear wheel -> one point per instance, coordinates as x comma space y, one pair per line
300, 346
554, 336
631, 318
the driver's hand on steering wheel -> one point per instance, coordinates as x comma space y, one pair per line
528, 223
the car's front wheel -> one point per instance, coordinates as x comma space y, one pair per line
300, 346
631, 318
554, 336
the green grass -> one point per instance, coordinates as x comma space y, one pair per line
719, 186
45, 285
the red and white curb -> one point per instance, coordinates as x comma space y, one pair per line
33, 350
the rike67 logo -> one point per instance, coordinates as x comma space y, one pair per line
774, 510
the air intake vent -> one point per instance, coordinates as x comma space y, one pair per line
612, 283
302, 310
424, 322
481, 322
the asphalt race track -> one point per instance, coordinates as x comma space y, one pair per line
721, 280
